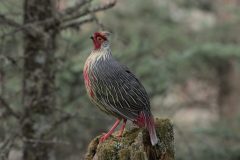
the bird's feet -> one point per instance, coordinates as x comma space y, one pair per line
119, 136
103, 138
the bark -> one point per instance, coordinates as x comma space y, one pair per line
38, 79
135, 145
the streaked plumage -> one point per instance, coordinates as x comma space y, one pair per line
114, 89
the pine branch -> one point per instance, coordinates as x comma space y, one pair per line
76, 24
4, 104
7, 145
57, 123
61, 19
89, 11
7, 21
75, 7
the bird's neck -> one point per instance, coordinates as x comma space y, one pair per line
104, 53
101, 55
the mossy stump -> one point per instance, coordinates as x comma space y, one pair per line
135, 145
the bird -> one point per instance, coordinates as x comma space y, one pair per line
115, 90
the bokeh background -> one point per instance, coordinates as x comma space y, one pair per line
185, 52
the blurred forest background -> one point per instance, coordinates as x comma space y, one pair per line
185, 52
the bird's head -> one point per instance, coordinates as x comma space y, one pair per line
100, 38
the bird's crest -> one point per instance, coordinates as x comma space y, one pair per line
103, 34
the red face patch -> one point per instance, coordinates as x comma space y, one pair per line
98, 39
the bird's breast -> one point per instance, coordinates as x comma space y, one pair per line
96, 68
88, 77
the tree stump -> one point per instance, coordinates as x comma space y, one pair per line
135, 145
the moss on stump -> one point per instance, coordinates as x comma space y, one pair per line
135, 145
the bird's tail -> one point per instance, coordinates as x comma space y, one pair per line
151, 129
146, 119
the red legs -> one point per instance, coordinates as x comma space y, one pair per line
104, 137
122, 129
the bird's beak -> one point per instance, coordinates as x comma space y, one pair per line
91, 37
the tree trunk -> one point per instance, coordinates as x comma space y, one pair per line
38, 79
229, 90
135, 145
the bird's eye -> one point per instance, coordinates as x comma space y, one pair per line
99, 39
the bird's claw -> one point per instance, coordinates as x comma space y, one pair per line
119, 137
103, 138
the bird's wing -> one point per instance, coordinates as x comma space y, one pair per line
122, 93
